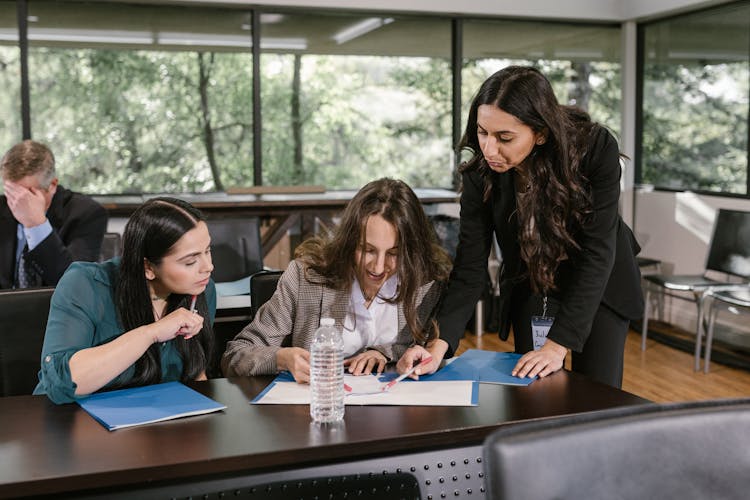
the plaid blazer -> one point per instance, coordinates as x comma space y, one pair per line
292, 314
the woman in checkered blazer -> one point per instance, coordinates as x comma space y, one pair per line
379, 276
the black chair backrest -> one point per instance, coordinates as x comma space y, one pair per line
111, 246
235, 247
729, 251
262, 287
446, 229
23, 320
675, 451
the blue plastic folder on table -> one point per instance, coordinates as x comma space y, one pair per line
483, 366
147, 404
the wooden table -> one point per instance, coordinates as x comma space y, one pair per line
47, 449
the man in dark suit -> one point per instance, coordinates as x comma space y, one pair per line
43, 226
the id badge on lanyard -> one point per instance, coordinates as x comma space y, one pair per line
540, 326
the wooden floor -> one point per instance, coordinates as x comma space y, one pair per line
660, 373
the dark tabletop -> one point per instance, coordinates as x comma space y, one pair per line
46, 448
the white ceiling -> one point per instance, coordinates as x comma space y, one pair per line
588, 10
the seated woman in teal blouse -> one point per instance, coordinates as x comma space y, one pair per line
143, 319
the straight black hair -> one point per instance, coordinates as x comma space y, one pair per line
150, 233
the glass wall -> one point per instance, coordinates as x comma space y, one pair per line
136, 98
696, 82
581, 61
347, 99
10, 83
144, 98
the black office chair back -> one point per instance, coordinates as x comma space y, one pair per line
729, 250
262, 287
446, 230
235, 247
111, 246
23, 320
676, 451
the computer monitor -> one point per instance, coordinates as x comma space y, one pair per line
730, 245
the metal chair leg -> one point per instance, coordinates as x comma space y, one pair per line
709, 338
479, 318
700, 297
644, 325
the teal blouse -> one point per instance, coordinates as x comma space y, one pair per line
82, 315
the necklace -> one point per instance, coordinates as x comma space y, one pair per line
156, 297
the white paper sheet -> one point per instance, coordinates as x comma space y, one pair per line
366, 391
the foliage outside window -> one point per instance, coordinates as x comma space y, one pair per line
10, 84
347, 99
695, 101
581, 61
140, 98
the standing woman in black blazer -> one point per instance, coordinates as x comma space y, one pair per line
544, 179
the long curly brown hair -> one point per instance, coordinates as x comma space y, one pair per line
557, 201
420, 258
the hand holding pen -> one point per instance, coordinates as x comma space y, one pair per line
387, 387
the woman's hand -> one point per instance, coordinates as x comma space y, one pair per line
366, 362
541, 363
415, 354
178, 322
296, 360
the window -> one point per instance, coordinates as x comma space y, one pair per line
581, 61
695, 101
10, 83
347, 99
137, 98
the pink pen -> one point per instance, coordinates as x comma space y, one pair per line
395, 381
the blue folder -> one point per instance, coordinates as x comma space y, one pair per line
147, 404
483, 366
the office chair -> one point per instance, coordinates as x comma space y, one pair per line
736, 301
262, 287
682, 451
235, 247
23, 320
730, 241
111, 246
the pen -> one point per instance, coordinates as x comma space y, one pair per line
395, 381
192, 304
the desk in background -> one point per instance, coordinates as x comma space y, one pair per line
47, 449
282, 210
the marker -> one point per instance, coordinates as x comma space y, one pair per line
395, 381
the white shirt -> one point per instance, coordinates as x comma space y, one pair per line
377, 325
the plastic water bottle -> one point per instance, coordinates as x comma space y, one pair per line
327, 373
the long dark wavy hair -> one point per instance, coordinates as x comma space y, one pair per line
557, 201
150, 233
420, 257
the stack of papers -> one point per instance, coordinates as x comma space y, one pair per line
366, 390
147, 404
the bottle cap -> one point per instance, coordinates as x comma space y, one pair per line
327, 322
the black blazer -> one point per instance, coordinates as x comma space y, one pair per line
605, 271
78, 226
